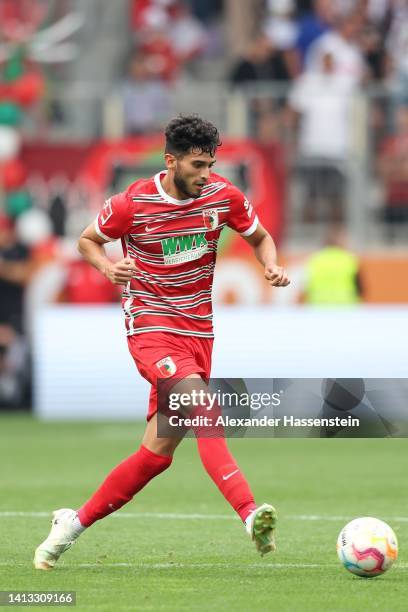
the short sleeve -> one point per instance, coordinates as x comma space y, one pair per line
242, 217
115, 218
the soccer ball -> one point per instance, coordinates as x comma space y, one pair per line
367, 547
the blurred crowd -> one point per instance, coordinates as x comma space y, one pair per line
318, 56
302, 64
363, 36
167, 38
367, 40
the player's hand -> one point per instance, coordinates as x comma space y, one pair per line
276, 276
122, 271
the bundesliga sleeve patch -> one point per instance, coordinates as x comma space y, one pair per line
166, 367
248, 207
106, 212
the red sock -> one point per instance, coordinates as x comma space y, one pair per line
220, 464
224, 471
124, 481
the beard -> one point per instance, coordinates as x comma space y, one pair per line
182, 186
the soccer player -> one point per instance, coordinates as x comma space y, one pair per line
169, 226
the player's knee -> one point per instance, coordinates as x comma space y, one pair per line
189, 394
162, 446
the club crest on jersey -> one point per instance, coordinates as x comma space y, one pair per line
106, 212
166, 367
210, 218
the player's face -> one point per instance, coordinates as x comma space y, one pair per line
191, 173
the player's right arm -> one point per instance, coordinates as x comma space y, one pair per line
90, 245
113, 221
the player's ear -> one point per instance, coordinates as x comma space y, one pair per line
170, 160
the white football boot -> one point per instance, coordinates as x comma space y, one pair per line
261, 525
61, 537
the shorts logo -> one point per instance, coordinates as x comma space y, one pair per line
166, 367
106, 212
210, 219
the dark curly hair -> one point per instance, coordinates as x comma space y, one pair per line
189, 132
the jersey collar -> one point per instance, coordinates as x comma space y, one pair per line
166, 196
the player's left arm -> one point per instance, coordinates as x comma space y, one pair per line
243, 219
265, 251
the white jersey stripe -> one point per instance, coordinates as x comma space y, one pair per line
178, 306
172, 330
169, 313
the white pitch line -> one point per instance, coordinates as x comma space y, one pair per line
316, 517
208, 565
266, 565
194, 516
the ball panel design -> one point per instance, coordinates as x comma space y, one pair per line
367, 547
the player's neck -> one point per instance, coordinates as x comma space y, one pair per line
171, 189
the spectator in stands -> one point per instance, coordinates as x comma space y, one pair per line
162, 60
320, 103
281, 29
58, 204
313, 24
169, 34
333, 274
15, 271
372, 46
146, 99
393, 169
262, 62
342, 44
187, 35
280, 24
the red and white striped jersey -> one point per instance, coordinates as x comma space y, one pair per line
174, 243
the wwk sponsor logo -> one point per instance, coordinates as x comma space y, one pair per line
179, 249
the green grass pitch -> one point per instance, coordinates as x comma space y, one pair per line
177, 545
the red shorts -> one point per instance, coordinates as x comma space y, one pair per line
164, 355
